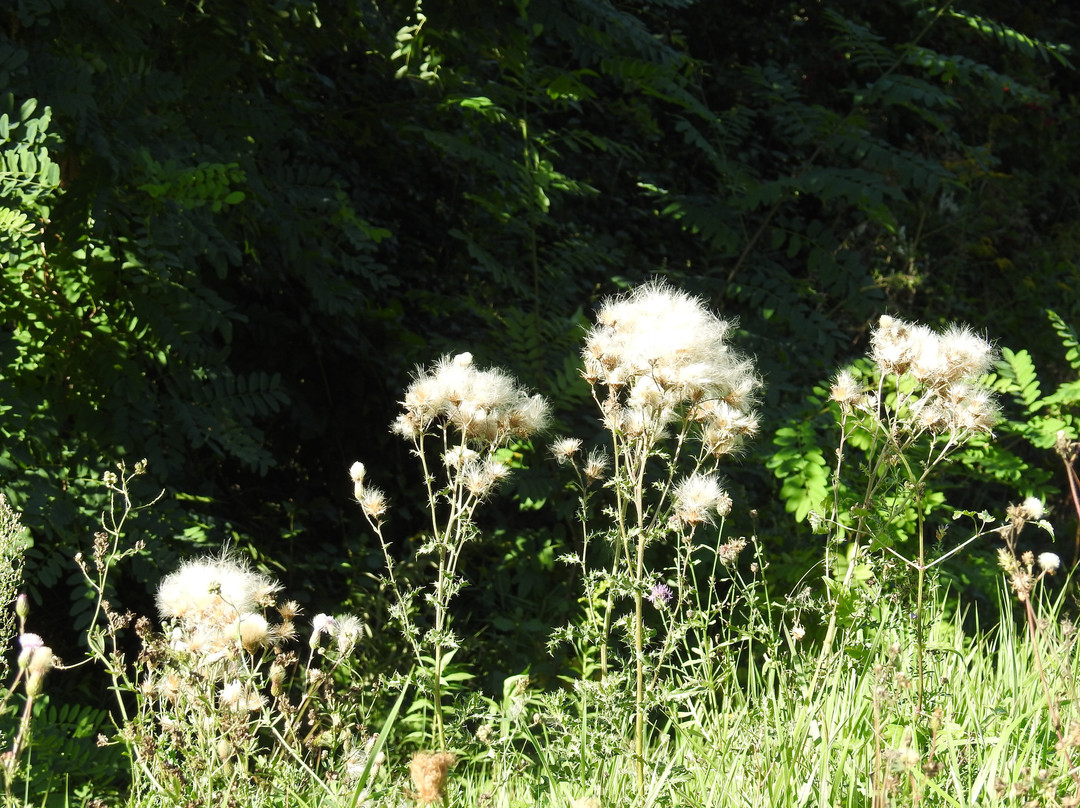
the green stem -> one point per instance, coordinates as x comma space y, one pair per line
436, 682
639, 632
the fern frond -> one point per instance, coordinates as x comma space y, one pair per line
1012, 39
1016, 376
1068, 338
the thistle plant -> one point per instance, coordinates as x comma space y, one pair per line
675, 399
218, 705
920, 401
1026, 573
459, 420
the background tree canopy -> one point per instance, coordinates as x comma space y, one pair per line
229, 231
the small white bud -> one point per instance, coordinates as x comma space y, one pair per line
1049, 562
1033, 508
356, 472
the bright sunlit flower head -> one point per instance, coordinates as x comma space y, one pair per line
656, 351
459, 456
564, 450
1049, 562
253, 631
966, 354
846, 389
955, 355
214, 592
596, 465
945, 369
237, 698
356, 474
486, 407
699, 499
374, 503
1031, 509
349, 631
321, 624
971, 409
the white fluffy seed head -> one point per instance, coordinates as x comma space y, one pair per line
1049, 562
1032, 509
213, 592
484, 406
699, 498
667, 349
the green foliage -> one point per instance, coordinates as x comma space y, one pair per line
799, 462
1037, 423
1012, 39
66, 757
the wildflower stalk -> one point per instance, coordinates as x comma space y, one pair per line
470, 414
1024, 582
1051, 701
659, 368
102, 640
932, 406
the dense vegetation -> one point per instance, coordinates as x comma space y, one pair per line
229, 233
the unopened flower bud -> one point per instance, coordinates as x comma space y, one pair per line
277, 679
28, 643
356, 474
321, 624
41, 661
22, 606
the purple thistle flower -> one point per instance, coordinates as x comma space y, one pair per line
660, 596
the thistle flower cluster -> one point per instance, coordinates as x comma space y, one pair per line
485, 407
344, 631
1024, 570
944, 368
659, 354
475, 412
216, 606
220, 675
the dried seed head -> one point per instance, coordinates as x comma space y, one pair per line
214, 592
565, 449
429, 772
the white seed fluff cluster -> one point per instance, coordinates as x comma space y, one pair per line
486, 407
945, 366
659, 353
699, 498
217, 605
